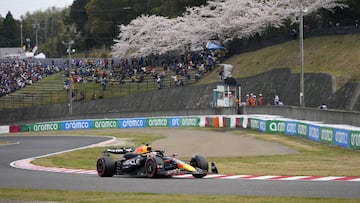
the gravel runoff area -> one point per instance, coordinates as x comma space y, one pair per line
211, 143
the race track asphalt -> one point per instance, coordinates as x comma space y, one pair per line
32, 146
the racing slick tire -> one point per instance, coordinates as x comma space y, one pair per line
105, 166
201, 162
151, 166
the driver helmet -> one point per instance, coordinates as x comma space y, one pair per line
143, 149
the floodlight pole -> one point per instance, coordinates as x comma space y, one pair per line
301, 33
21, 34
36, 26
69, 44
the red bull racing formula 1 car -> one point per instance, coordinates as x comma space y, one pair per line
146, 162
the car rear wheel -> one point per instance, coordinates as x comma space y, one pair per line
105, 166
201, 162
151, 166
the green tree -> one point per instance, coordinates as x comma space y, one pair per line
3, 40
105, 16
351, 13
78, 15
11, 31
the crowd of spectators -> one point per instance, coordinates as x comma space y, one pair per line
17, 74
175, 67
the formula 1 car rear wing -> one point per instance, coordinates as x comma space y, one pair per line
118, 150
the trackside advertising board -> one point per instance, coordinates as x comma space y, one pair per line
327, 135
342, 138
49, 126
262, 126
272, 126
355, 140
291, 128
254, 123
337, 135
76, 125
314, 133
132, 123
158, 122
185, 122
100, 124
302, 130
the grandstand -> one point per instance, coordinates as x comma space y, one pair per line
97, 79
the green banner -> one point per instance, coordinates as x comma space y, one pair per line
327, 135
105, 124
355, 140
276, 127
302, 130
50, 126
190, 122
157, 122
24, 128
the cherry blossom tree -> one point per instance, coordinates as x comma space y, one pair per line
223, 20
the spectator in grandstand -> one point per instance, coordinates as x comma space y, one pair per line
67, 84
17, 74
188, 78
159, 82
177, 81
104, 83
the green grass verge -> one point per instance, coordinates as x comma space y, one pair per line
106, 197
312, 159
86, 158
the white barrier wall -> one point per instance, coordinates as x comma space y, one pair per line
4, 129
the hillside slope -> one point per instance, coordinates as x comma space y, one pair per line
335, 55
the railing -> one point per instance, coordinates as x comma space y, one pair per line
113, 89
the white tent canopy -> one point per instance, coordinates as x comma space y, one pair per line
213, 46
40, 56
